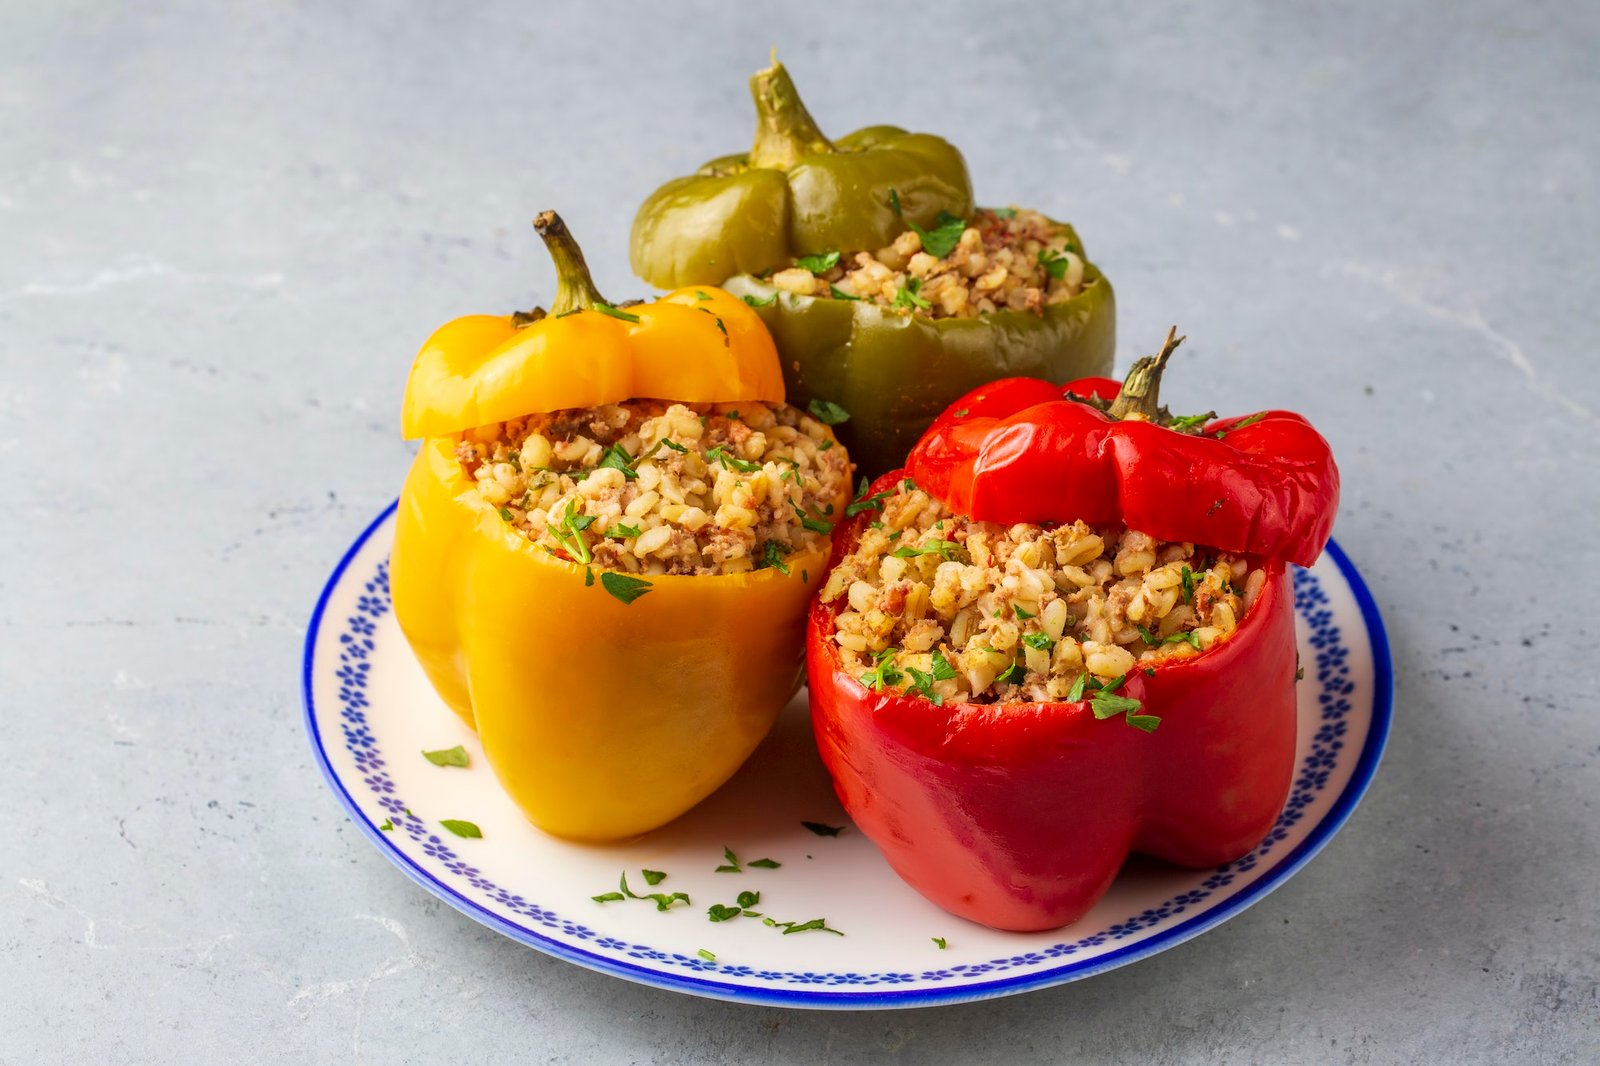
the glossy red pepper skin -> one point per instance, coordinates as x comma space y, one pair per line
1022, 450
1018, 816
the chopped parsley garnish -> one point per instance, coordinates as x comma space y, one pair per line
942, 239
718, 913
823, 830
894, 201
664, 902
827, 412
700, 294
756, 301
1003, 212
617, 458
764, 864
720, 326
825, 445
923, 682
863, 502
1189, 637
653, 877
624, 587
1184, 423
907, 297
732, 865
883, 673
614, 312
814, 925
569, 532
962, 413
772, 555
1252, 420
506, 516
1106, 704
1055, 264
1020, 613
939, 940
456, 756
462, 829
1013, 674
811, 521
387, 826
818, 264
731, 462
1039, 641
622, 529
704, 954
1187, 577
839, 294
749, 899
946, 549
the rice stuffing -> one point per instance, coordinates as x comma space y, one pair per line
1004, 259
653, 487
984, 613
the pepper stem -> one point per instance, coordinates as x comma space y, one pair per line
575, 289
785, 130
1140, 395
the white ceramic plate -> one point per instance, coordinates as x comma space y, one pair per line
371, 713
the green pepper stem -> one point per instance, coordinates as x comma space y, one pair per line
1140, 395
785, 130
575, 289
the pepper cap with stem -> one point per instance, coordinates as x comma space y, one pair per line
794, 192
785, 130
696, 345
575, 288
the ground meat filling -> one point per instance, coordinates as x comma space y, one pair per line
653, 487
984, 613
1006, 259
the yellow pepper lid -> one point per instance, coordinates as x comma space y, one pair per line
695, 345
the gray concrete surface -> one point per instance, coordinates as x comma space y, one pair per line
226, 228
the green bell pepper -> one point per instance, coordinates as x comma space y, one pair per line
795, 193
893, 369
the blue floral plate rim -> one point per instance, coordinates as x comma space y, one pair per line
694, 980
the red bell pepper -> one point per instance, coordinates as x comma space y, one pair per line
1019, 815
1024, 450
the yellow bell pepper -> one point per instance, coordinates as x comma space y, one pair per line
601, 718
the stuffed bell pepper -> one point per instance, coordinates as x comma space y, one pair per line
887, 292
1064, 633
604, 549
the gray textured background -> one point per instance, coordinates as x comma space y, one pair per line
224, 235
